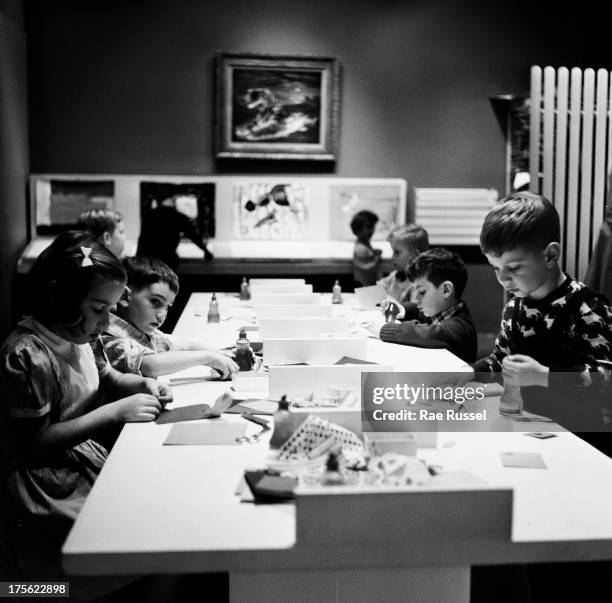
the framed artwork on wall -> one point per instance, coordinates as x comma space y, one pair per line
276, 106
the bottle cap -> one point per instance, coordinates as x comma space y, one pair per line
332, 461
214, 297
283, 403
242, 334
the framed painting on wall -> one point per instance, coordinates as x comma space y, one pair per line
276, 106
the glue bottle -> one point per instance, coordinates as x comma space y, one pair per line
332, 475
336, 293
213, 309
244, 352
511, 400
283, 424
245, 290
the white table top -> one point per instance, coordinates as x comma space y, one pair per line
158, 508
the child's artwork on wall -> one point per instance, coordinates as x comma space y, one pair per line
59, 203
345, 200
194, 200
266, 211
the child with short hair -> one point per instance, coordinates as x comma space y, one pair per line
555, 340
106, 225
407, 241
439, 318
49, 377
366, 259
133, 341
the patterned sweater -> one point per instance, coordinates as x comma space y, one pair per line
569, 331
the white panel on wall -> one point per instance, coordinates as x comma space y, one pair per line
453, 216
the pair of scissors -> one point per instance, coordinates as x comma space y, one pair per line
254, 438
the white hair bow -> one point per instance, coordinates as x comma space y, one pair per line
86, 259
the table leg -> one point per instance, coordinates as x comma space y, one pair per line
425, 585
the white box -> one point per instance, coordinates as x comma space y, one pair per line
292, 311
285, 299
312, 351
270, 328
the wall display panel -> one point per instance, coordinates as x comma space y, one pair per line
270, 211
59, 203
385, 200
195, 200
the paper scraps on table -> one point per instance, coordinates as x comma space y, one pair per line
183, 413
526, 460
205, 434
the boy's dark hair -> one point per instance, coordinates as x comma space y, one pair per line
64, 273
438, 265
411, 235
99, 221
362, 218
143, 271
521, 219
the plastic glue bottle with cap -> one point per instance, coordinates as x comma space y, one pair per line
283, 424
213, 309
336, 293
332, 475
245, 290
244, 352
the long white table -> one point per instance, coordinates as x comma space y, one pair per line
173, 509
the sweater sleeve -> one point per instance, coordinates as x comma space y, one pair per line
591, 334
454, 334
502, 347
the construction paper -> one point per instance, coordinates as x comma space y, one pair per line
527, 460
205, 434
183, 413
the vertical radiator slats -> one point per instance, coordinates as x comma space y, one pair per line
570, 153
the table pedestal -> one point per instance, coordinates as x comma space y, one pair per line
425, 585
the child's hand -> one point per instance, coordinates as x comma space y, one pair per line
390, 307
165, 395
226, 366
158, 389
374, 326
137, 408
524, 371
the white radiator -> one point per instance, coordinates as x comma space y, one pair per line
453, 216
569, 153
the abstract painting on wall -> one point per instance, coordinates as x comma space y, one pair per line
345, 200
59, 203
268, 211
196, 200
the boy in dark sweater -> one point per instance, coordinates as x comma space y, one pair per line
439, 318
555, 340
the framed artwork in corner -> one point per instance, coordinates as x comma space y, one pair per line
276, 106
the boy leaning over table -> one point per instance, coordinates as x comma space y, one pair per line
555, 340
439, 318
133, 341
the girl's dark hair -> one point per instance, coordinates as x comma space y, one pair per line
62, 276
143, 271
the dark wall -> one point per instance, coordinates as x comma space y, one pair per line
13, 152
126, 86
